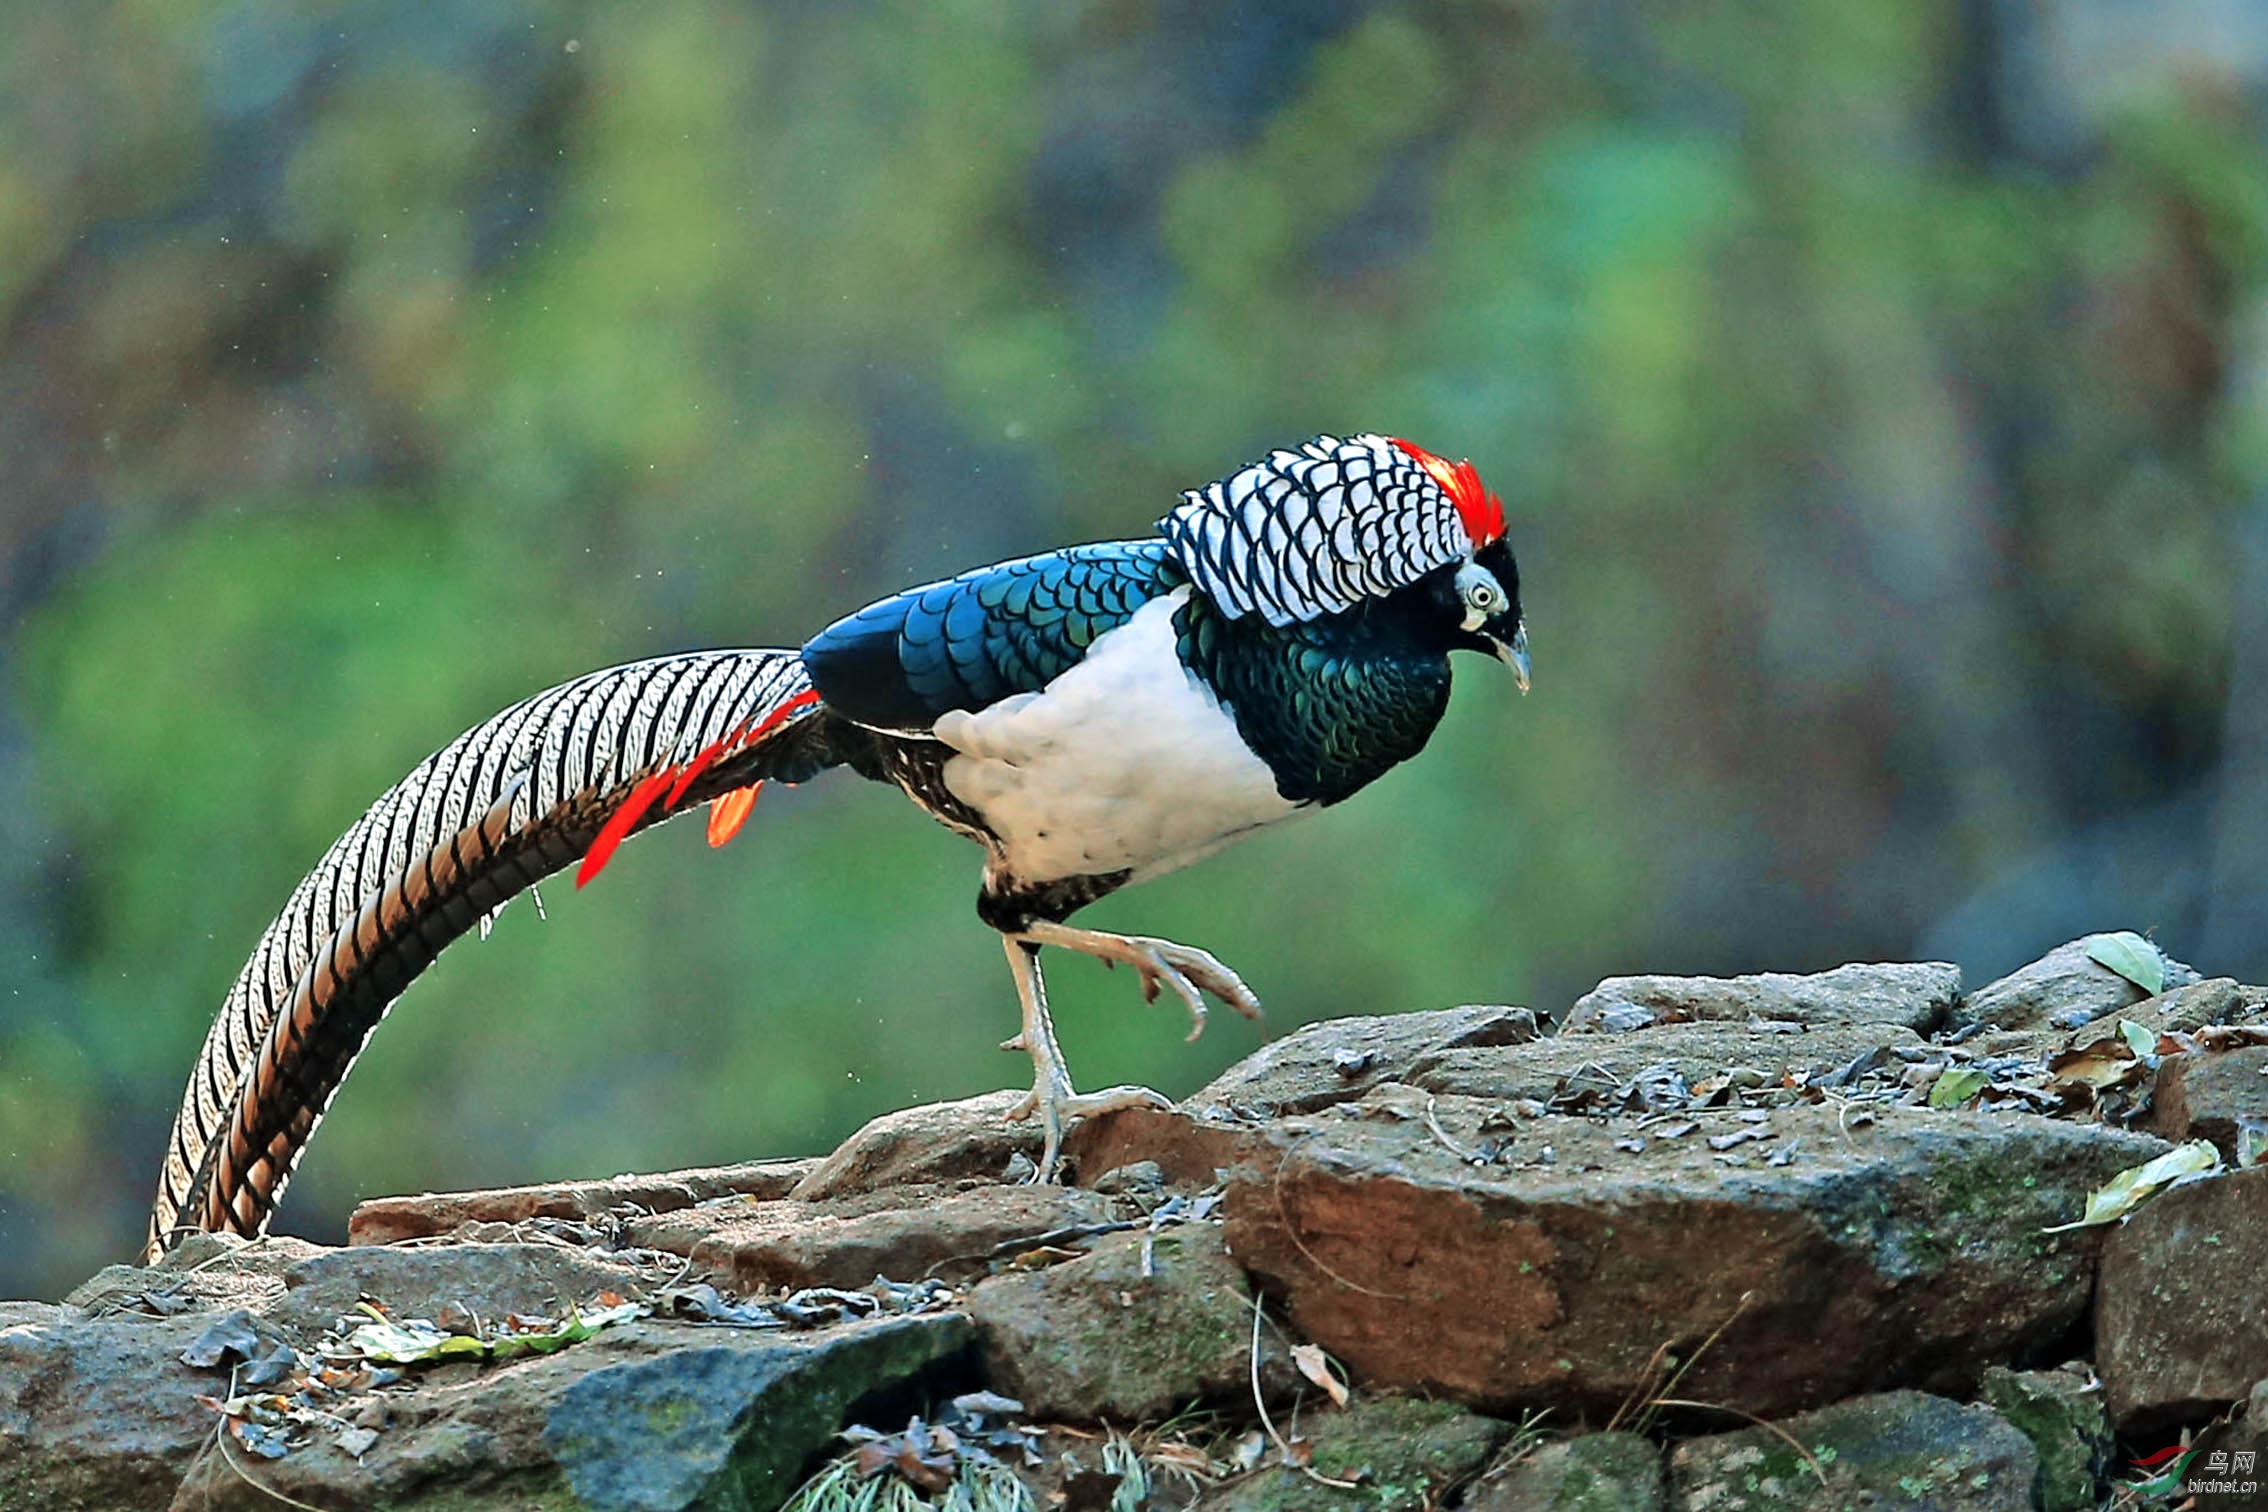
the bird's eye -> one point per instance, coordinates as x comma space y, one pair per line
1483, 596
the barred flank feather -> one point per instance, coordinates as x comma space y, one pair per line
505, 804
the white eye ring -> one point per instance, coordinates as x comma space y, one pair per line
1483, 596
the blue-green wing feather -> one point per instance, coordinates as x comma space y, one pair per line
986, 635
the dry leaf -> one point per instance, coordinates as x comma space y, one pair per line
1312, 1364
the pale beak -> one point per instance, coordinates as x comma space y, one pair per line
1515, 656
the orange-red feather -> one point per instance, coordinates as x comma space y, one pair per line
1481, 512
671, 783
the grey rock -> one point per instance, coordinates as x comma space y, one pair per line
730, 1426
1901, 1449
1913, 995
2066, 984
2061, 1412
1100, 1337
1599, 1472
1610, 1062
1405, 1452
205, 1273
1337, 1060
644, 1417
936, 1142
2180, 1331
486, 1280
97, 1413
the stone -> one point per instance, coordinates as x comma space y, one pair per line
2061, 1412
1598, 1472
731, 1426
1407, 1453
1902, 1449
1098, 1338
2210, 1095
204, 1273
936, 1142
905, 1233
2180, 1329
2221, 1000
390, 1220
486, 1280
2065, 987
1337, 1060
97, 1413
1913, 995
645, 1417
1907, 1248
1608, 1062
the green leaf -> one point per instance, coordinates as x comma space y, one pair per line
2132, 957
2130, 1188
416, 1341
1956, 1086
2143, 1042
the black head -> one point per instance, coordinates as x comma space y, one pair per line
1483, 597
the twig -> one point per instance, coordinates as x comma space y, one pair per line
1292, 1233
1773, 1428
1454, 1148
1283, 1449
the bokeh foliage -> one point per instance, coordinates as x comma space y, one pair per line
1868, 381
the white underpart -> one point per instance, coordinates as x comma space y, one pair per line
1125, 762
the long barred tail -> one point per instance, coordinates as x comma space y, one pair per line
564, 776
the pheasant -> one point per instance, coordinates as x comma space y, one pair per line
1092, 717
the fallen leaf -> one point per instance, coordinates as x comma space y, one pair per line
2132, 957
2130, 1188
2100, 1064
1312, 1364
1956, 1086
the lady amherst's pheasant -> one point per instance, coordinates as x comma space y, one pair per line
1091, 717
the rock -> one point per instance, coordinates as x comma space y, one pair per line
2209, 1094
1910, 995
1406, 1451
2061, 1412
646, 1417
1906, 1249
1599, 1472
731, 1425
2222, 1000
935, 1142
204, 1273
1337, 1060
390, 1220
1608, 1063
2180, 1331
1901, 1449
2065, 988
486, 1280
1096, 1338
904, 1233
97, 1413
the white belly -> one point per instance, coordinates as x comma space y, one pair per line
1127, 762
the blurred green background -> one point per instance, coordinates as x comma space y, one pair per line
1876, 388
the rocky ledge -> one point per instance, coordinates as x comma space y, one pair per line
1775, 1242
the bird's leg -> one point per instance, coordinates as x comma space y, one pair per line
1161, 963
1052, 1097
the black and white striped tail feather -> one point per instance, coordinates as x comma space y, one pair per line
506, 803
